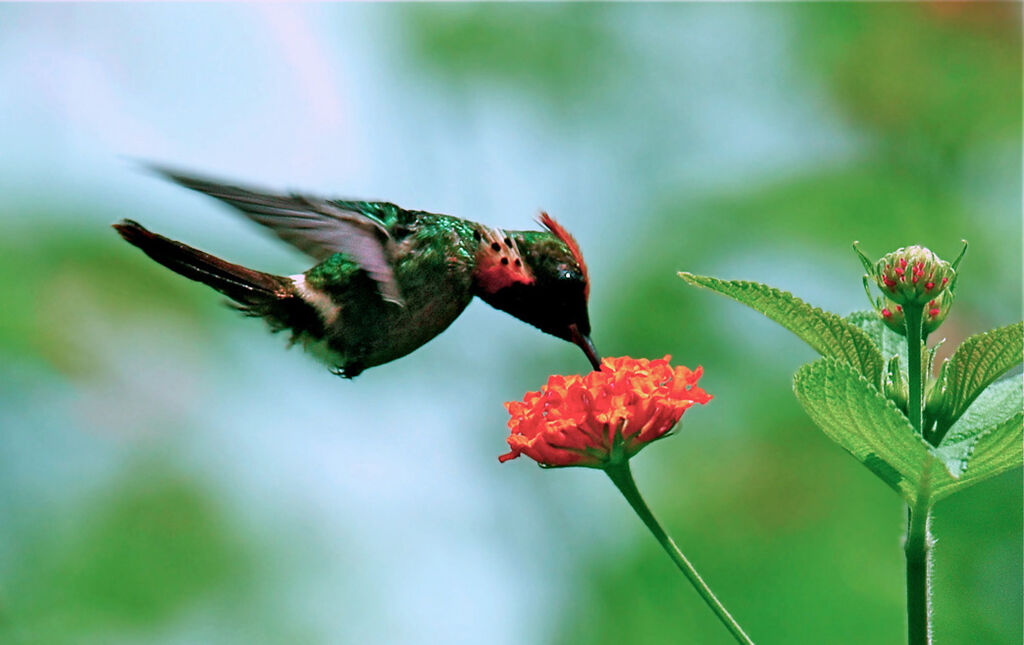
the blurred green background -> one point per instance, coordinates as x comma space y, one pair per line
169, 473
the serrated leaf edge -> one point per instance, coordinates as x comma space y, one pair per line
950, 363
910, 494
856, 333
1013, 423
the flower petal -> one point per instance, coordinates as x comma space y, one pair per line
576, 420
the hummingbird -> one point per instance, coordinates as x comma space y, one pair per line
387, 279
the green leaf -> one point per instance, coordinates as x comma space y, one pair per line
986, 440
979, 361
888, 342
825, 332
891, 345
857, 416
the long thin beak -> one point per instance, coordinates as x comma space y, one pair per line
587, 346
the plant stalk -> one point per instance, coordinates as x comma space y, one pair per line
913, 315
919, 540
918, 550
623, 479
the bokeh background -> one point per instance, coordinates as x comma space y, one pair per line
169, 473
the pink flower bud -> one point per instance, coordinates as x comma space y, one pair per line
913, 275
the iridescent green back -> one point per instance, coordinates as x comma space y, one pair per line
433, 259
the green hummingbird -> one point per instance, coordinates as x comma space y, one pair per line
387, 279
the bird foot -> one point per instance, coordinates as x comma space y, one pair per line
349, 371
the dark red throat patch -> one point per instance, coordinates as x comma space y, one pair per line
559, 231
499, 263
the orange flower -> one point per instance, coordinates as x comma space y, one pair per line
604, 417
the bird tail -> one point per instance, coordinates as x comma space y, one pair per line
260, 294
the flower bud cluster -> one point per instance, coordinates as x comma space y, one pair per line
912, 277
935, 312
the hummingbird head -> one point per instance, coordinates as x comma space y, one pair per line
540, 278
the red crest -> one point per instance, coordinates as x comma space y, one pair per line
559, 231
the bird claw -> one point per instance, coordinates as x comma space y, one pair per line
349, 371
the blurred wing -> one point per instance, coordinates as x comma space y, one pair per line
315, 226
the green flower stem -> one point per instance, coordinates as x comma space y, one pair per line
913, 315
919, 564
623, 480
918, 545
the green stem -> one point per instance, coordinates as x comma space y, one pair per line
623, 480
913, 314
919, 563
919, 541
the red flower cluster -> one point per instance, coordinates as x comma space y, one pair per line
604, 417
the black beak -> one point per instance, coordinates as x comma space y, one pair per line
587, 346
